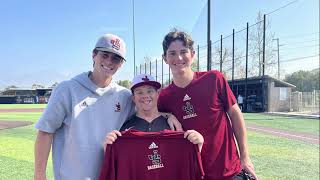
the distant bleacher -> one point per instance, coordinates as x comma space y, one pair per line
25, 96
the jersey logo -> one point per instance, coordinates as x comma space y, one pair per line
186, 98
83, 105
118, 107
153, 146
188, 108
155, 159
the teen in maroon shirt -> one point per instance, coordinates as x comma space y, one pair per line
203, 101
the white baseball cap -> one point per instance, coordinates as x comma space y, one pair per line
144, 79
111, 43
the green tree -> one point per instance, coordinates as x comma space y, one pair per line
305, 81
256, 48
36, 86
124, 83
10, 87
54, 85
194, 65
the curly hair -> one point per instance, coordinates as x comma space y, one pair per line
174, 35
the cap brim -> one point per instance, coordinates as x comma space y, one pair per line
110, 50
154, 84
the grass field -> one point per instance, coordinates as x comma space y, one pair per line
273, 157
16, 148
285, 123
11, 106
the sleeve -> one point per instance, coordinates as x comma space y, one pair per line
224, 91
108, 169
56, 110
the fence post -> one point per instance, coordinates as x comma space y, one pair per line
162, 72
221, 53
145, 68
232, 60
263, 61
156, 70
150, 68
208, 38
198, 53
246, 83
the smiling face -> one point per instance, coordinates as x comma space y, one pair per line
178, 56
106, 63
145, 97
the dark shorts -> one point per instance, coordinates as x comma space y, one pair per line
243, 176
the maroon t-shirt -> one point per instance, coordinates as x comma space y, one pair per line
164, 155
202, 106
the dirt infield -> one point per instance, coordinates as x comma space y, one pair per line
13, 124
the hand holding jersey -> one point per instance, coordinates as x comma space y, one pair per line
193, 136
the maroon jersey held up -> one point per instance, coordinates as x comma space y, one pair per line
164, 155
202, 106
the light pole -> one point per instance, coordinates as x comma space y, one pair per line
208, 38
134, 41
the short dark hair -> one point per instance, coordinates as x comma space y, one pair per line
95, 52
174, 35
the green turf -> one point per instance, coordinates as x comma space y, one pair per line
16, 151
273, 157
10, 106
280, 158
31, 116
285, 123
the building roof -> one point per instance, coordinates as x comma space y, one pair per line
258, 80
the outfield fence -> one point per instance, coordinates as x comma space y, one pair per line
307, 102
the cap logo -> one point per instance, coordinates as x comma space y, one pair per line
145, 78
115, 43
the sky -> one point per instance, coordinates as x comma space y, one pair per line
44, 42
